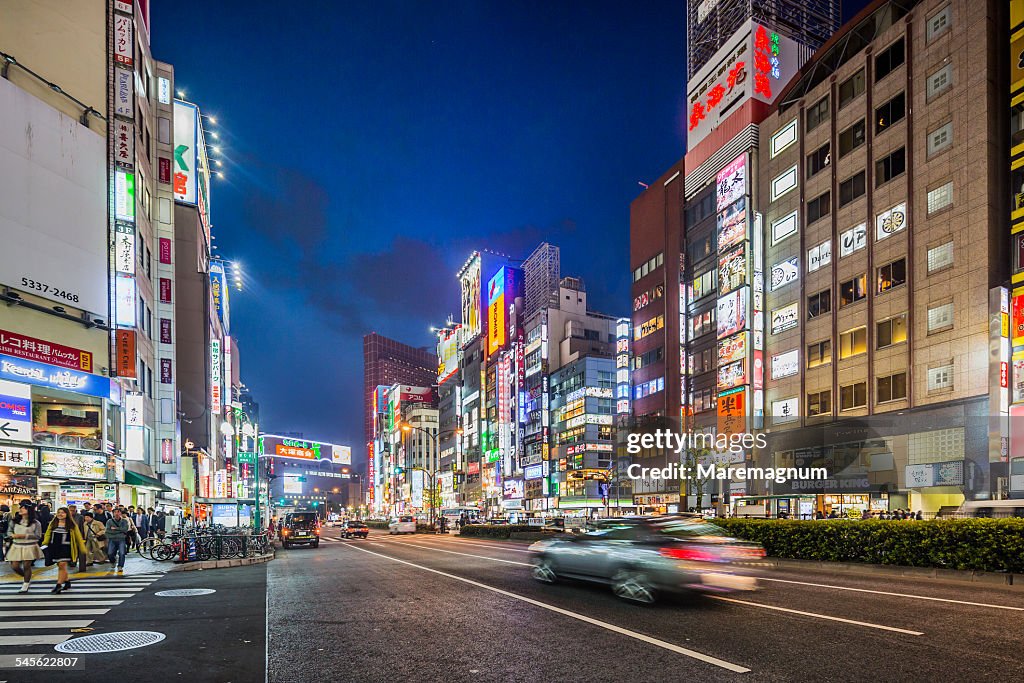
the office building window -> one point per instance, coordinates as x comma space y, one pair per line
940, 197
818, 160
891, 112
853, 290
819, 403
851, 138
892, 275
891, 331
853, 342
851, 189
938, 23
891, 387
819, 207
939, 81
940, 138
819, 353
940, 317
941, 377
891, 166
851, 88
889, 59
940, 257
817, 113
819, 304
819, 255
853, 396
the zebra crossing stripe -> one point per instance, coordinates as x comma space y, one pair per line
74, 623
53, 612
41, 639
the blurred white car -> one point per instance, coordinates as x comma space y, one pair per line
405, 524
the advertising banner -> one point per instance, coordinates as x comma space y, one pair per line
219, 293
469, 280
126, 354
732, 375
33, 348
124, 92
785, 318
54, 249
61, 464
890, 221
785, 364
732, 415
19, 485
186, 153
785, 272
513, 489
40, 374
732, 349
731, 183
497, 312
732, 225
15, 411
731, 313
448, 353
732, 270
124, 40
17, 456
165, 331
215, 377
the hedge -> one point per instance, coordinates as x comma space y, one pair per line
494, 530
991, 545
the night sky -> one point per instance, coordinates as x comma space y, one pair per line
369, 147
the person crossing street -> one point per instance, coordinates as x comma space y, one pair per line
117, 530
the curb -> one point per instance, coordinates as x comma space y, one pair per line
1012, 581
222, 564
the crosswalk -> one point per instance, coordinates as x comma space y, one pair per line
32, 623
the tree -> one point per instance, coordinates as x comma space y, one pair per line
695, 484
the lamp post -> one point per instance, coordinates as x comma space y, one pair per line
407, 428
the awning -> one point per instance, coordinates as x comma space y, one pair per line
142, 481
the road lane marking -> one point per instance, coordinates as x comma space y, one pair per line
37, 595
898, 595
482, 557
452, 541
53, 613
56, 603
708, 659
817, 616
74, 623
33, 640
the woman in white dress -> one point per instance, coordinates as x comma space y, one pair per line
25, 532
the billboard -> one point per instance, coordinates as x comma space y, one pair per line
54, 249
15, 411
219, 292
732, 313
731, 183
732, 224
469, 281
497, 312
270, 445
448, 345
754, 63
186, 152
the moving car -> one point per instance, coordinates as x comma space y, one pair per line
642, 557
406, 524
355, 528
300, 528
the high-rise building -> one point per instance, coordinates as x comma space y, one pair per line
542, 273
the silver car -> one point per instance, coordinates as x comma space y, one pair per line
641, 557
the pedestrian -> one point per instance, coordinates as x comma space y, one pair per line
117, 530
101, 514
149, 523
919, 517
25, 532
95, 539
43, 515
833, 514
142, 522
5, 523
160, 524
65, 544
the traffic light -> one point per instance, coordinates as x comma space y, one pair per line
399, 470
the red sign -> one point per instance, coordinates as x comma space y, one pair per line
23, 346
1004, 374
165, 371
700, 110
732, 412
165, 290
165, 331
167, 451
126, 353
473, 468
165, 250
165, 171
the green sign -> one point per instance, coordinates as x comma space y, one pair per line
246, 457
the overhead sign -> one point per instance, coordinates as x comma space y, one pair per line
39, 374
754, 63
15, 411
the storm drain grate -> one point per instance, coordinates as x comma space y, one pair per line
110, 642
184, 592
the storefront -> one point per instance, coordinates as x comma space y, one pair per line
71, 476
141, 489
18, 469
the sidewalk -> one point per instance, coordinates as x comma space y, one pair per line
134, 564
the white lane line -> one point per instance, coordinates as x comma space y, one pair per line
708, 659
482, 557
74, 623
56, 603
41, 639
488, 545
47, 595
53, 613
817, 616
898, 595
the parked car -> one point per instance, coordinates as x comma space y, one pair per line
355, 528
406, 524
643, 557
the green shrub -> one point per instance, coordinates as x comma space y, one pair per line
377, 524
992, 545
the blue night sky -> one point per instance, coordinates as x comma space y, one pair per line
369, 147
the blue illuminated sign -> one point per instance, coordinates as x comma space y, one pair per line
43, 375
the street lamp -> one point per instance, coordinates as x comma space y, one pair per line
407, 428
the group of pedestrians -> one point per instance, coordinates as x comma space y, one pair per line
98, 534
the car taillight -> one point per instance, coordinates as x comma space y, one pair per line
316, 531
747, 553
284, 532
689, 554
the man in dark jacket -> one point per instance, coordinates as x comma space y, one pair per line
117, 529
141, 520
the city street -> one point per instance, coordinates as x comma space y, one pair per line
431, 608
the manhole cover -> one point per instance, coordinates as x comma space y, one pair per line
182, 592
110, 642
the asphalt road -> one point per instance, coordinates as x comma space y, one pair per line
432, 608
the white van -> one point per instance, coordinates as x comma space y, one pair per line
406, 524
